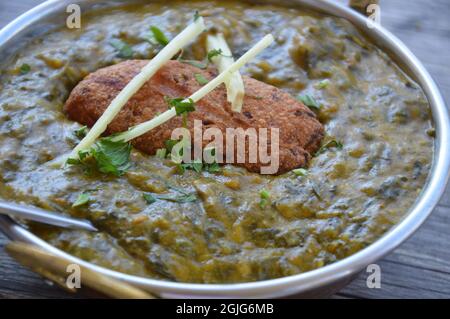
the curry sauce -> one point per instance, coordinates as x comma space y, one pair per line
210, 227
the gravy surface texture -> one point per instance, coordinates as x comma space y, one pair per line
348, 199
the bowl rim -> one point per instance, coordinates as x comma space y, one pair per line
425, 203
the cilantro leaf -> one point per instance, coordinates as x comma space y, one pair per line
106, 156
176, 157
175, 198
161, 153
25, 68
309, 101
170, 144
183, 198
213, 168
195, 166
199, 166
124, 50
159, 36
149, 198
329, 144
300, 172
265, 196
182, 105
82, 200
201, 79
208, 59
198, 64
181, 168
213, 53
81, 132
112, 157
322, 84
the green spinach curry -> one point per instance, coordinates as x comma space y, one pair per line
227, 225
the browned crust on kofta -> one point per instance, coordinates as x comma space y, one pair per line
264, 106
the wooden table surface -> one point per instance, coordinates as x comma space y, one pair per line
420, 268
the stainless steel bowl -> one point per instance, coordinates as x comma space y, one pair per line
316, 283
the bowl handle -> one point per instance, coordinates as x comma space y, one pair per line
54, 268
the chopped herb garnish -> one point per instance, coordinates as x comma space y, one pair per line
309, 101
213, 53
216, 52
300, 172
177, 189
322, 84
124, 50
205, 63
181, 168
182, 105
113, 157
82, 200
329, 144
213, 167
81, 132
170, 144
159, 36
199, 167
184, 198
176, 198
106, 156
149, 198
25, 68
73, 161
265, 195
195, 166
161, 153
198, 64
201, 79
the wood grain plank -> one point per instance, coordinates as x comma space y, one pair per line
19, 282
433, 239
445, 200
9, 10
412, 283
420, 268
